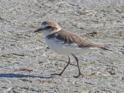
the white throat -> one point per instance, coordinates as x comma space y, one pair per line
47, 32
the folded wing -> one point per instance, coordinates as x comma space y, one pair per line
72, 38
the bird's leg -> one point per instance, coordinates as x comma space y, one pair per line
63, 69
79, 72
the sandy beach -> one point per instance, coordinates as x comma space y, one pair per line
26, 62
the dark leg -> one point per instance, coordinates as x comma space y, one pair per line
64, 68
79, 72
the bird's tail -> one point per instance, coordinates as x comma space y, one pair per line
105, 47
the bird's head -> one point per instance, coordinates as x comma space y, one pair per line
49, 27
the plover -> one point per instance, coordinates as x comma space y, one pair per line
65, 42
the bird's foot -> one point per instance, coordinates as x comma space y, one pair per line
77, 76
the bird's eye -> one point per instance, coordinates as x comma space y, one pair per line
48, 27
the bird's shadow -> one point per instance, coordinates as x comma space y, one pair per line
16, 75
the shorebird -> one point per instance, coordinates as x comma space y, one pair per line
65, 42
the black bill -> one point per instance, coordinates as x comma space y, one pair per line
38, 30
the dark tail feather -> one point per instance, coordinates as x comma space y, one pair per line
102, 46
106, 47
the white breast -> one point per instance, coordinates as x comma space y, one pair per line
62, 48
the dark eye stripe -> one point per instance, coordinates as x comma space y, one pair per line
48, 27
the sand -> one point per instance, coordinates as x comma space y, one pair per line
26, 62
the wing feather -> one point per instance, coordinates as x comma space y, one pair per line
72, 38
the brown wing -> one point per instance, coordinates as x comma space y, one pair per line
70, 38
